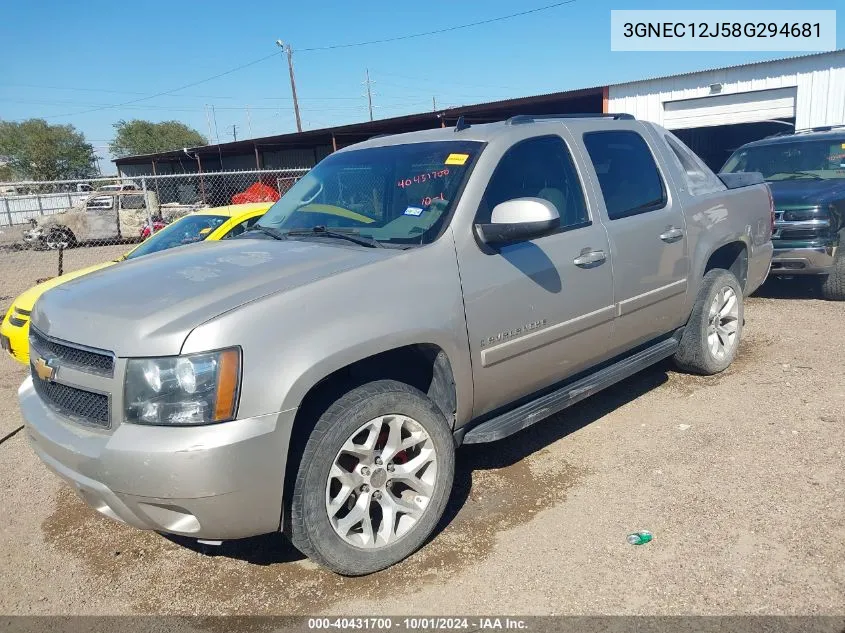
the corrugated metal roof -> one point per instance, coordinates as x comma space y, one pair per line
475, 112
309, 137
718, 68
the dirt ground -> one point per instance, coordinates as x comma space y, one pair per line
741, 478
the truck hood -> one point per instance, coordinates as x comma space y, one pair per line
807, 192
148, 306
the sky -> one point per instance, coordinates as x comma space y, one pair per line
78, 62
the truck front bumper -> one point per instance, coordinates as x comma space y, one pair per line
816, 260
215, 482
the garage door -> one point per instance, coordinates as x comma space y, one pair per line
743, 107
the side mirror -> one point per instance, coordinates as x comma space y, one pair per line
519, 220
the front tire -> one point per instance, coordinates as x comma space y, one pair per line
374, 479
833, 285
712, 334
61, 237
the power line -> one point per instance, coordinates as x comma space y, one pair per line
315, 107
449, 83
438, 31
317, 48
424, 91
188, 96
167, 92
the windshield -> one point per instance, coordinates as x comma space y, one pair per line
191, 228
399, 194
814, 160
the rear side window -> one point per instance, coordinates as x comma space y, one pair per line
699, 179
539, 167
627, 173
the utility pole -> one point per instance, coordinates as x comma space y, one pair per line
433, 104
208, 120
289, 52
214, 118
217, 136
234, 131
369, 94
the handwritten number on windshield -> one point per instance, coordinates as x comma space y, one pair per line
428, 199
407, 182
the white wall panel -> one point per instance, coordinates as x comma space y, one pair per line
818, 81
742, 107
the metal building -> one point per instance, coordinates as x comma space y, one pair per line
716, 111
305, 149
713, 111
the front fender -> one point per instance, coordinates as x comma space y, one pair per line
311, 374
293, 340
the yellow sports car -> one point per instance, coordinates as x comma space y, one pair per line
208, 224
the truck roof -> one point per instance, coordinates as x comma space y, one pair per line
825, 134
485, 132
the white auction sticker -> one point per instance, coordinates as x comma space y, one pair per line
717, 30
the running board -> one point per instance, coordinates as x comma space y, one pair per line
532, 412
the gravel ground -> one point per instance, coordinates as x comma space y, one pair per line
21, 269
741, 478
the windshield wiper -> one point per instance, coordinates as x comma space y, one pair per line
276, 234
796, 174
350, 236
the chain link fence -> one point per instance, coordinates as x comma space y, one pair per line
50, 229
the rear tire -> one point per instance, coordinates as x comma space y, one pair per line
833, 285
712, 334
374, 479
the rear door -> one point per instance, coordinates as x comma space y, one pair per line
541, 310
647, 232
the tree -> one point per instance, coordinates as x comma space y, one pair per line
145, 137
40, 151
7, 174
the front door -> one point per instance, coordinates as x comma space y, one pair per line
101, 218
541, 310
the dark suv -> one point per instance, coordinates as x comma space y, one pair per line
806, 173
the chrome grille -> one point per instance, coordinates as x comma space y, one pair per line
83, 406
801, 224
100, 363
803, 233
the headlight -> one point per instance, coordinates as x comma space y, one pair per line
804, 215
183, 390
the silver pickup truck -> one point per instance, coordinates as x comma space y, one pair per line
411, 293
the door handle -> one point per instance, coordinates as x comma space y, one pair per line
589, 258
672, 234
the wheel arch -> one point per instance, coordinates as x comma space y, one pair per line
731, 252
732, 256
425, 366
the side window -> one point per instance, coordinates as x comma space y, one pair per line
628, 176
698, 178
538, 167
240, 228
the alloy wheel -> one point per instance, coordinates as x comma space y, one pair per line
723, 323
381, 481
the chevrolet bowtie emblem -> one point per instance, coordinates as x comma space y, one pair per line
44, 371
